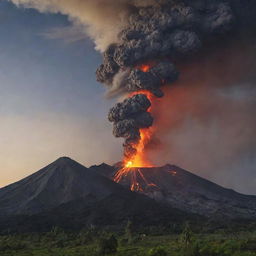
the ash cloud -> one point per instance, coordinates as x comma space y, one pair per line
207, 121
129, 117
169, 33
162, 32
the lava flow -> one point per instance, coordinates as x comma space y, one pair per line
139, 159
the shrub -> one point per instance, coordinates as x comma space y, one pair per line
186, 236
158, 251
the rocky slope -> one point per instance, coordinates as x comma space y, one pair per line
188, 192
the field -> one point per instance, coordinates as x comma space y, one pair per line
129, 243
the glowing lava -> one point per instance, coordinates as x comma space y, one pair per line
139, 159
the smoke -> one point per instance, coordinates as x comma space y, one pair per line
154, 45
101, 21
129, 117
154, 35
207, 120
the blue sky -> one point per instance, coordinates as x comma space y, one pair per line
50, 102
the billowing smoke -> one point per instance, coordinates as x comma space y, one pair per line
129, 117
158, 35
143, 41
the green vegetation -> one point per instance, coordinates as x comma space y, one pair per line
92, 242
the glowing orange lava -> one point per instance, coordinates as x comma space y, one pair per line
144, 68
140, 158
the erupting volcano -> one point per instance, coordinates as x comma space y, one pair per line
132, 118
154, 37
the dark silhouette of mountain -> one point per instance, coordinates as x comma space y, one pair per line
188, 192
112, 212
60, 182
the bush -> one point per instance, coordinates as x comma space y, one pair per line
186, 236
192, 250
158, 251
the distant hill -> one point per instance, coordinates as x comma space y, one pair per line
60, 182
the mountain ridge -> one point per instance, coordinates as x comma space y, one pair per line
62, 181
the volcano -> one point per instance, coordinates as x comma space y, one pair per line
67, 194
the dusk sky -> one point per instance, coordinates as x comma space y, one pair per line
52, 106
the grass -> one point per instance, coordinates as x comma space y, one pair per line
87, 243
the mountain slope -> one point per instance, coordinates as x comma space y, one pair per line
112, 212
188, 192
60, 182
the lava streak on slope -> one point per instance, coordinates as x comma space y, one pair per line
135, 178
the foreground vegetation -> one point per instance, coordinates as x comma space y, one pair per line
129, 243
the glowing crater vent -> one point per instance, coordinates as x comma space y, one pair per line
135, 179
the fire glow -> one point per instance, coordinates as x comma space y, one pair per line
140, 159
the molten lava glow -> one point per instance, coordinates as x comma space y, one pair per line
145, 68
140, 158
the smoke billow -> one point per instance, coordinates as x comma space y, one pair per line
162, 33
128, 117
145, 44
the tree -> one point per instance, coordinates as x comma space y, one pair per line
186, 236
129, 231
108, 245
158, 251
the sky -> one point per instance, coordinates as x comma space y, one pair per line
51, 106
50, 102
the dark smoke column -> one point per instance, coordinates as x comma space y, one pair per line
156, 37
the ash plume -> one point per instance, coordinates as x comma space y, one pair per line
129, 117
159, 33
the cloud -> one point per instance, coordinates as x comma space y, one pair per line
101, 21
68, 34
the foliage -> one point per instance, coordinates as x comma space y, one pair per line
129, 232
186, 236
